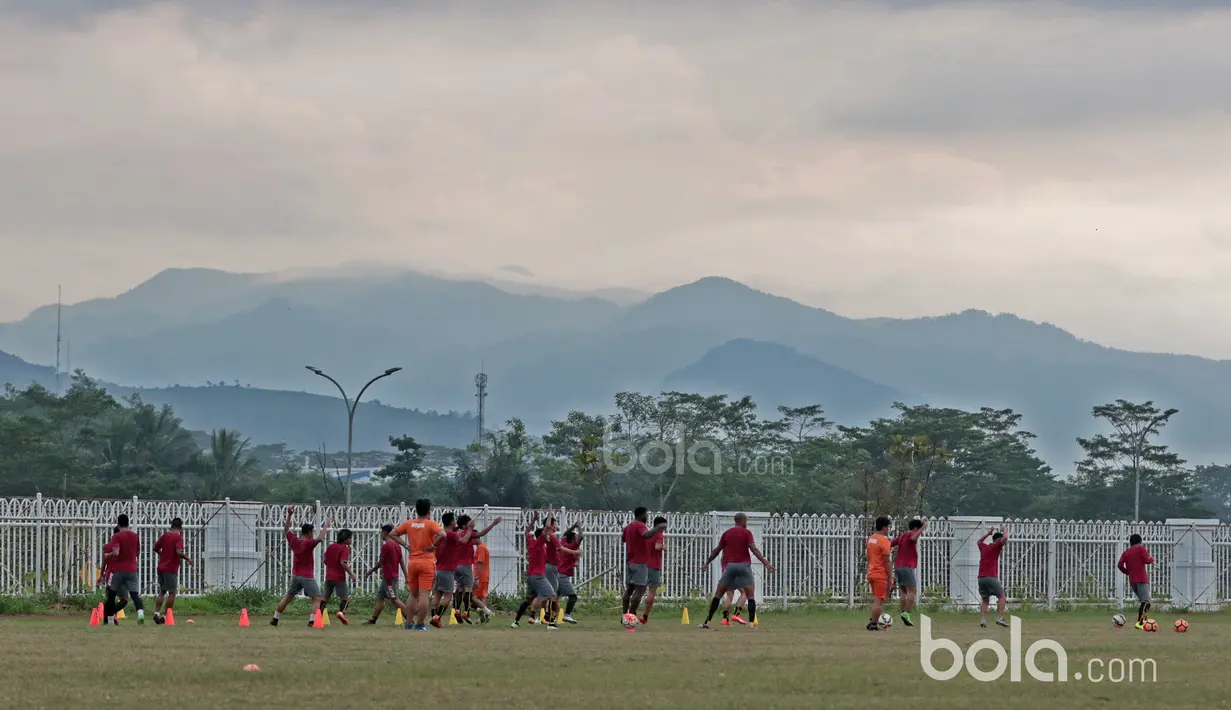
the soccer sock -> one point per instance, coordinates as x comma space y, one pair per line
521, 610
137, 603
752, 611
572, 602
739, 610
1145, 611
277, 615
342, 605
713, 608
726, 614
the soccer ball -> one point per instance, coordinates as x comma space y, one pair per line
1181, 625
1118, 620
1151, 625
885, 621
629, 621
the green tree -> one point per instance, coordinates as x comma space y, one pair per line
402, 474
227, 467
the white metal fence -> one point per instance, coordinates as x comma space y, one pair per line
53, 545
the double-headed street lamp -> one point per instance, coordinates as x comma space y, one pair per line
350, 415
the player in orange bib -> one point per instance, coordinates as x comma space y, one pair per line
422, 535
879, 551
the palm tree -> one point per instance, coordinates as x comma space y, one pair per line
226, 464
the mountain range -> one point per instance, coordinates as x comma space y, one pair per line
547, 351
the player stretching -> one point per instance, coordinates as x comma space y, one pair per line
1133, 563
654, 565
879, 550
463, 598
989, 575
422, 535
170, 551
570, 552
337, 572
906, 566
303, 567
737, 548
390, 567
551, 570
636, 573
483, 579
110, 550
538, 592
124, 573
448, 552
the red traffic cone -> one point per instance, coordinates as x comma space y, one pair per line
243, 618
318, 622
170, 618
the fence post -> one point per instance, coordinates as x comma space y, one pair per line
39, 543
319, 552
850, 562
1051, 565
227, 572
1121, 545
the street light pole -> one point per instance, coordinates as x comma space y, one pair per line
350, 414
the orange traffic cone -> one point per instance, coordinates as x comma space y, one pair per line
94, 621
170, 618
243, 618
318, 620
102, 615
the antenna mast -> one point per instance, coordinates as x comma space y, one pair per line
480, 384
59, 303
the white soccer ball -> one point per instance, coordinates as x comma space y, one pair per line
629, 621
1118, 620
885, 621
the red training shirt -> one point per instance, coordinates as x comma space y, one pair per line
568, 563
536, 555
634, 543
553, 551
303, 562
989, 557
390, 560
169, 547
465, 553
736, 543
108, 563
1133, 562
907, 544
447, 551
654, 558
335, 555
130, 545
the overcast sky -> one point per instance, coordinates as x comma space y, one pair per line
1068, 162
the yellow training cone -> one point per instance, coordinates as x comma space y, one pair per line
119, 614
325, 616
684, 618
542, 615
452, 618
560, 615
400, 620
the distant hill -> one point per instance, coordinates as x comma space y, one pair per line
300, 420
777, 375
547, 353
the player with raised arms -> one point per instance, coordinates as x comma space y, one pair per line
906, 566
303, 567
989, 575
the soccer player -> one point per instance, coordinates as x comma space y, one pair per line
989, 574
570, 552
1133, 563
737, 548
636, 571
551, 569
447, 555
390, 566
879, 550
906, 566
483, 575
422, 534
303, 567
463, 598
124, 573
539, 592
337, 572
654, 565
110, 550
170, 551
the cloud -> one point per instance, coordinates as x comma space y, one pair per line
886, 158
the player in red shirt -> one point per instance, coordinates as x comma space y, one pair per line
124, 573
1133, 563
737, 547
989, 574
570, 552
906, 566
447, 555
337, 573
636, 571
654, 564
539, 592
390, 567
170, 551
303, 567
110, 550
463, 598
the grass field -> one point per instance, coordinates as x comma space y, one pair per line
795, 660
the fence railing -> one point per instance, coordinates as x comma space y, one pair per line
56, 545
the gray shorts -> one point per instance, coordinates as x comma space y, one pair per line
388, 588
539, 587
168, 582
636, 575
990, 587
445, 582
565, 588
654, 578
552, 574
124, 583
1142, 590
738, 576
306, 585
464, 576
342, 589
906, 577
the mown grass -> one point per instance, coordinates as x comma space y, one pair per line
794, 660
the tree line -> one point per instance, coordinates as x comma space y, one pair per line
671, 451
